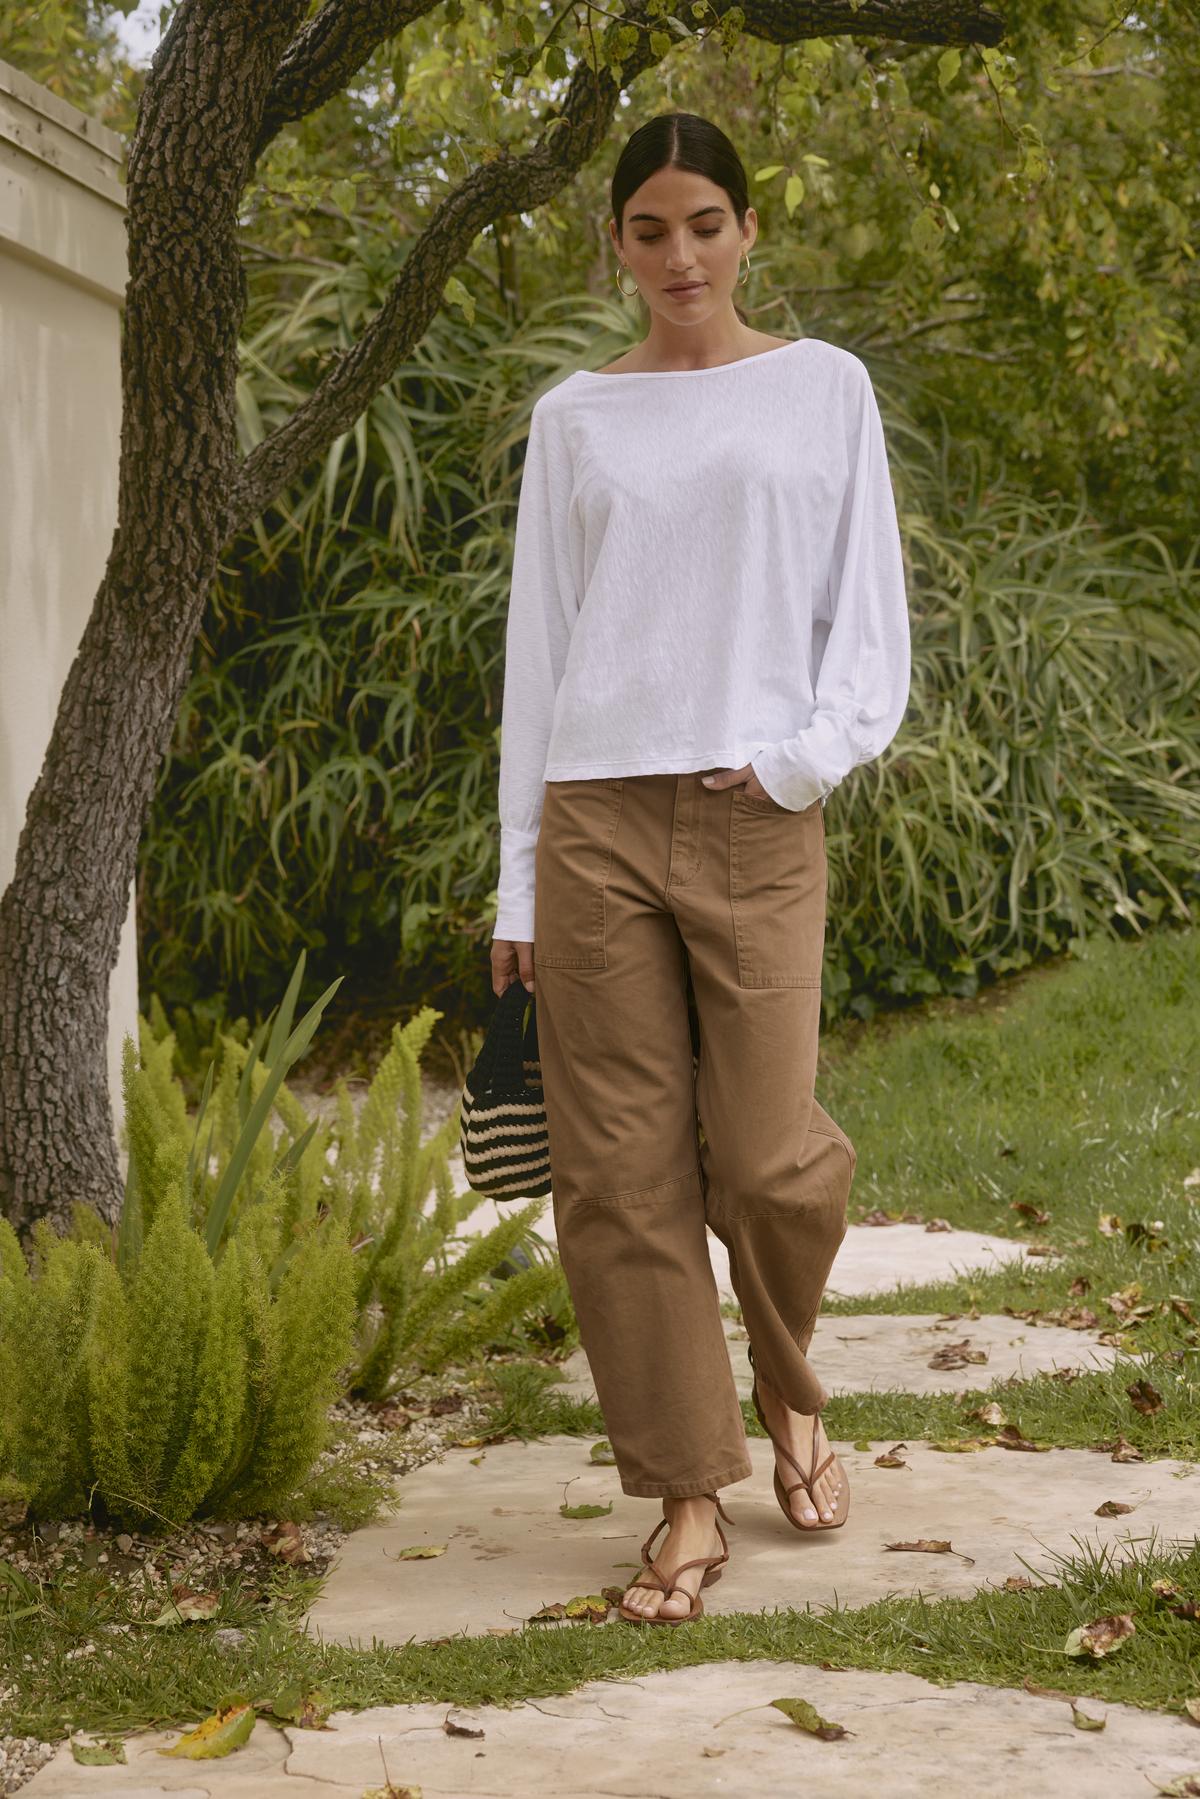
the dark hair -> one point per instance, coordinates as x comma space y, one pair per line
681, 140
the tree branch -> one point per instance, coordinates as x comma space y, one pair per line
336, 41
327, 52
507, 184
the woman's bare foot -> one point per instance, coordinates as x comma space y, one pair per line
795, 1431
690, 1533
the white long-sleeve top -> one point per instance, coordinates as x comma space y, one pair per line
706, 572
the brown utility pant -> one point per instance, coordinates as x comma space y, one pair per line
679, 935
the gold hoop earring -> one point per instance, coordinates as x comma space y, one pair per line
744, 278
620, 289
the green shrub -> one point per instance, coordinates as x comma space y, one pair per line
184, 1364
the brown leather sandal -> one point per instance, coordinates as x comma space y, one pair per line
808, 1482
650, 1576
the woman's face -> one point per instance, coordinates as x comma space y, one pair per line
679, 228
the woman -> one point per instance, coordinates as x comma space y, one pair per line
707, 631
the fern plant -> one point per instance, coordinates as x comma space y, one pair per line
424, 1296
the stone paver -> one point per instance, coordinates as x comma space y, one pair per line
875, 1352
690, 1733
509, 1552
873, 1258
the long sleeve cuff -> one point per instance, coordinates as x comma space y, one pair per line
514, 893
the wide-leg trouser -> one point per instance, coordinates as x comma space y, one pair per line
679, 934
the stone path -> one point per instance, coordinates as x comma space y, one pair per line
509, 1552
694, 1733
873, 1258
876, 1352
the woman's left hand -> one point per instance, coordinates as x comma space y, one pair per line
737, 777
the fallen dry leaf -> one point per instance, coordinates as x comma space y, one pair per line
286, 1542
1176, 1600
988, 1414
415, 1552
1112, 1508
1101, 1636
808, 1718
1072, 1318
186, 1607
1124, 1451
939, 1224
956, 1355
1083, 1720
890, 1460
585, 1608
1010, 1436
460, 1730
1125, 1300
1145, 1398
933, 1546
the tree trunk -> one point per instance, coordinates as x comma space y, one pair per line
62, 915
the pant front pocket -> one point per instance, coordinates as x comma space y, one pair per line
571, 866
777, 891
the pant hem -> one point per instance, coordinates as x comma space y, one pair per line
688, 1489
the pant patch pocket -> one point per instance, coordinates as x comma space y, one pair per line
572, 860
777, 892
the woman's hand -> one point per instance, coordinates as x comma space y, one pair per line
737, 777
511, 962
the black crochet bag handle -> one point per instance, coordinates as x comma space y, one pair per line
510, 1043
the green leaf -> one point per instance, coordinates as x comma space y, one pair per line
809, 1718
948, 65
100, 1754
291, 1052
585, 1511
226, 1730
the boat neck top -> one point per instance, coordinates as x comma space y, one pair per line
705, 579
709, 369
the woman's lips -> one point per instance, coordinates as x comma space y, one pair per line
691, 287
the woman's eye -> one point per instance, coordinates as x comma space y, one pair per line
715, 232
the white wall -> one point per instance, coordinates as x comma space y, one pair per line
62, 282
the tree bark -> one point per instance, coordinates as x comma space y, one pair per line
61, 916
227, 75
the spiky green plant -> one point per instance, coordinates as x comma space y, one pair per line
184, 1363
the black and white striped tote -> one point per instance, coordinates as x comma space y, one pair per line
504, 1140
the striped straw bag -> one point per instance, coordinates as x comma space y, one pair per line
504, 1140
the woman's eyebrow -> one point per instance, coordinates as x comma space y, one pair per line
655, 220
